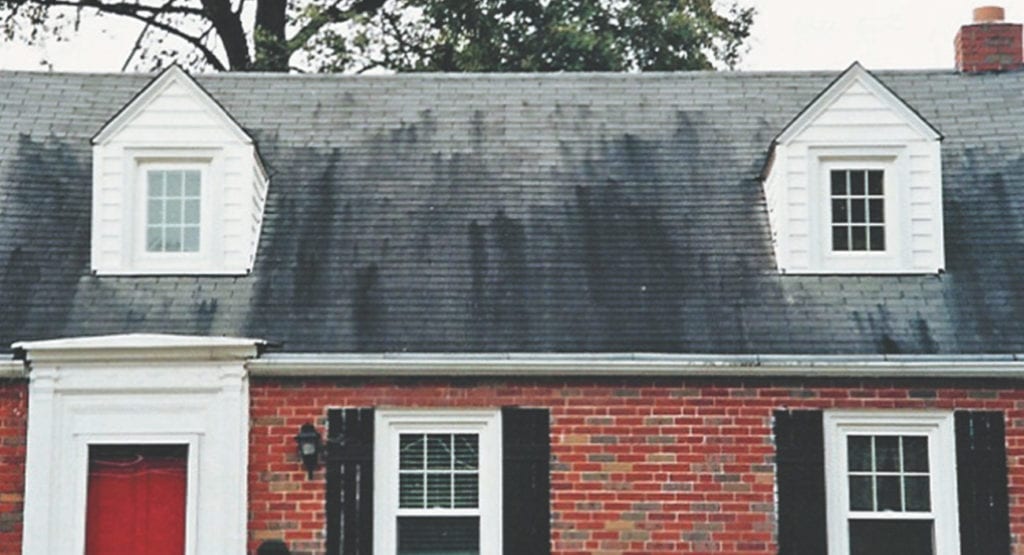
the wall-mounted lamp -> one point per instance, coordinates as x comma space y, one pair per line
309, 444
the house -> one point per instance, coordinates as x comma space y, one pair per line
747, 313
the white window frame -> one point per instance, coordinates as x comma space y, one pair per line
938, 427
210, 163
892, 160
388, 426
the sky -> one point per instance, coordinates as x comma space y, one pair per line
787, 35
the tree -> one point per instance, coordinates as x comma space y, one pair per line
409, 35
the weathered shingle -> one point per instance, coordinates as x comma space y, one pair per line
566, 212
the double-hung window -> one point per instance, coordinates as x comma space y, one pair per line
436, 486
892, 483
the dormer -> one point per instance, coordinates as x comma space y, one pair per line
178, 185
854, 184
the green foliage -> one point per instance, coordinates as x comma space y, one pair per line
409, 35
544, 35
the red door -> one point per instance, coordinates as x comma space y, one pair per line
136, 500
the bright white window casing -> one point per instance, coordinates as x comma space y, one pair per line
437, 482
891, 476
825, 219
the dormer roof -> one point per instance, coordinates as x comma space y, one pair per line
856, 75
172, 76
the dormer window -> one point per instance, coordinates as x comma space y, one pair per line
173, 209
854, 185
178, 187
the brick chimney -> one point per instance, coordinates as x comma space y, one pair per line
989, 44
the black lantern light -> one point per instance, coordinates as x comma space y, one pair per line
309, 444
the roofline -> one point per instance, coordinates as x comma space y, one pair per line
13, 370
1009, 366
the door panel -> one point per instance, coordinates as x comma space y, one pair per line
136, 500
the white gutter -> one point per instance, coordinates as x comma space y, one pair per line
650, 365
12, 370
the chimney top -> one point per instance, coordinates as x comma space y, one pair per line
989, 14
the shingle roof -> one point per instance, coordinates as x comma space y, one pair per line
488, 213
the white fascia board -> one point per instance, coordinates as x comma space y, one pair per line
856, 73
173, 74
154, 347
637, 365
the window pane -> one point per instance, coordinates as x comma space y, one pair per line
438, 536
859, 452
862, 495
439, 451
915, 454
172, 238
838, 182
875, 182
173, 180
191, 239
172, 211
888, 493
439, 490
839, 213
887, 455
857, 211
918, 496
154, 238
191, 183
876, 235
892, 537
410, 491
155, 212
156, 183
466, 452
410, 451
876, 209
192, 212
857, 183
860, 238
840, 238
467, 491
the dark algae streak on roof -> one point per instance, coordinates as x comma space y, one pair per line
529, 213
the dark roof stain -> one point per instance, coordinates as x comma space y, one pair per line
534, 213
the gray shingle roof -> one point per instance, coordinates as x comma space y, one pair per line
567, 212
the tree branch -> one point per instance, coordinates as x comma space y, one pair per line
331, 14
229, 29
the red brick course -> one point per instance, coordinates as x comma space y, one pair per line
13, 419
639, 466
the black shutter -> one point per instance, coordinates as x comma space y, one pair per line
800, 468
526, 490
981, 483
350, 482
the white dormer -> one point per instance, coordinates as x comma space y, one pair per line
178, 186
854, 184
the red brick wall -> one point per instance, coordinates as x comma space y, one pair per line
13, 419
640, 466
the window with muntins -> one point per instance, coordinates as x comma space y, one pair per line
858, 210
173, 218
439, 493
